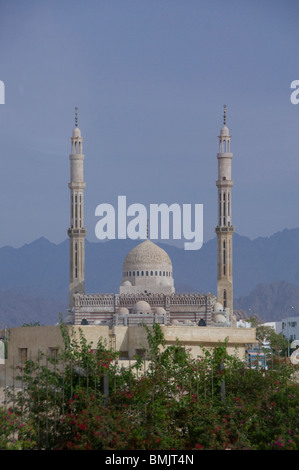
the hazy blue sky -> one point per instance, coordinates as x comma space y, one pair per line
150, 78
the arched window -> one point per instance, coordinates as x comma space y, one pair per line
224, 257
76, 260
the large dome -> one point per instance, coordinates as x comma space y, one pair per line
147, 255
147, 269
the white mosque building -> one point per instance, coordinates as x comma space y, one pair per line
147, 291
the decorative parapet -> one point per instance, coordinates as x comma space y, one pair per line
189, 299
94, 300
225, 229
129, 300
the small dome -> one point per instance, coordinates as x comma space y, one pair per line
159, 310
219, 318
218, 307
127, 283
123, 311
224, 131
142, 307
76, 132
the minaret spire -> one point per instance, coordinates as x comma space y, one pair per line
76, 232
224, 115
76, 117
224, 229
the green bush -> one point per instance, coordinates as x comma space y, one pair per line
87, 401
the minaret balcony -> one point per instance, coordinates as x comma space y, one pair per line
225, 183
225, 229
77, 231
225, 155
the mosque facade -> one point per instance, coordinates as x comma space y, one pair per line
147, 290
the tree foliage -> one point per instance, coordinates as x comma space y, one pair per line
169, 400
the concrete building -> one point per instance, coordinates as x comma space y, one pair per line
25, 343
290, 327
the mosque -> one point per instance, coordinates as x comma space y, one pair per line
147, 291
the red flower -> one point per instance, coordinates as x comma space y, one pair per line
198, 446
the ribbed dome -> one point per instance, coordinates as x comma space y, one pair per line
224, 131
147, 255
76, 132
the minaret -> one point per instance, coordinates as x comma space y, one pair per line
76, 232
224, 229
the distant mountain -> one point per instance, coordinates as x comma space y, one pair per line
37, 269
265, 260
40, 270
17, 309
271, 302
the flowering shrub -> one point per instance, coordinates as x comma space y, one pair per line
14, 434
178, 403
